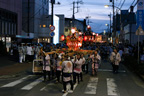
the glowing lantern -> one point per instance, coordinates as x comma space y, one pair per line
80, 33
88, 27
62, 38
93, 33
85, 38
79, 44
96, 34
79, 38
73, 30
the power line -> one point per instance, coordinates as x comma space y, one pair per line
122, 4
136, 3
132, 2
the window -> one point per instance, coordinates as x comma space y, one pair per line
44, 26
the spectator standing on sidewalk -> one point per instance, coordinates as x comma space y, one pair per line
37, 50
20, 50
24, 52
29, 52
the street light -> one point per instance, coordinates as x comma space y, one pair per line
107, 6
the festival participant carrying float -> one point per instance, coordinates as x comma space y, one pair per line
67, 73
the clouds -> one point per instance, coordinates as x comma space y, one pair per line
93, 8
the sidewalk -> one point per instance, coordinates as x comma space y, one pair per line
7, 60
15, 69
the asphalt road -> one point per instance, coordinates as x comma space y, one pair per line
106, 83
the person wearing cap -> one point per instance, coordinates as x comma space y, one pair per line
67, 67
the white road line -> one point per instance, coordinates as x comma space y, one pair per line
91, 86
108, 70
17, 81
112, 87
33, 84
44, 88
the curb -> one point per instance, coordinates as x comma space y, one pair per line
140, 76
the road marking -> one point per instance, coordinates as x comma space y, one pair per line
33, 84
44, 88
17, 81
91, 86
112, 87
68, 88
108, 70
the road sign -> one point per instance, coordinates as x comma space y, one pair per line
140, 31
52, 34
52, 28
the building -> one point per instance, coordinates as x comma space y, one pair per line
10, 20
44, 30
80, 25
32, 12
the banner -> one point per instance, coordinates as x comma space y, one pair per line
140, 14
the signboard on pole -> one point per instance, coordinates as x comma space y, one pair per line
140, 14
52, 34
140, 31
52, 28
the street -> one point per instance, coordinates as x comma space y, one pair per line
106, 83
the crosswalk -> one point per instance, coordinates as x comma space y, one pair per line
90, 89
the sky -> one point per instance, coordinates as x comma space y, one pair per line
93, 8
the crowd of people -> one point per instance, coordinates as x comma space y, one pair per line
68, 67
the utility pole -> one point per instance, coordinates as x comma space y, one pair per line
88, 19
110, 23
73, 17
113, 18
28, 18
52, 7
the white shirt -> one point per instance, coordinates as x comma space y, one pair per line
83, 60
116, 58
46, 66
29, 50
67, 66
78, 63
98, 57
